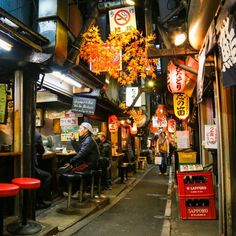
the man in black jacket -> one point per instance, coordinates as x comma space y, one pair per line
105, 159
87, 149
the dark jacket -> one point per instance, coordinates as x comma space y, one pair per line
87, 152
105, 150
39, 148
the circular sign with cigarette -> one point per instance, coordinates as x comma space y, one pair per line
122, 17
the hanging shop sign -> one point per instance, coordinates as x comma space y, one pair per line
113, 124
122, 19
181, 105
171, 125
175, 78
131, 93
183, 139
84, 105
227, 47
210, 136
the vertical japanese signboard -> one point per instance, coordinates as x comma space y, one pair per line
3, 103
181, 105
210, 136
122, 19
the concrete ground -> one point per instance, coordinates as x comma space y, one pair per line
147, 204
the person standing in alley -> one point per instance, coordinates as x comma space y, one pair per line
162, 149
44, 192
105, 159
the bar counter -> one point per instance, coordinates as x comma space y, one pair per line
7, 154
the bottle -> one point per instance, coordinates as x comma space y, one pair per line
186, 179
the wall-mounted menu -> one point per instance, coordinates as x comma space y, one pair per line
3, 103
84, 105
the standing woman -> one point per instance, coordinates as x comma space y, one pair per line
162, 149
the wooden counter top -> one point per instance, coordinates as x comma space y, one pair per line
118, 155
7, 154
48, 155
71, 153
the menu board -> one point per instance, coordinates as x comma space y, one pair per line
3, 103
84, 105
183, 139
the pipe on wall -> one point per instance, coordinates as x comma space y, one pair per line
200, 16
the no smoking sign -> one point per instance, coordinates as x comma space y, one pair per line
122, 18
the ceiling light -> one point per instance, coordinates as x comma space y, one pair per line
130, 2
150, 83
180, 39
67, 79
4, 45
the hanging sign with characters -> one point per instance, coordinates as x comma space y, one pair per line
122, 19
175, 78
210, 136
171, 125
181, 105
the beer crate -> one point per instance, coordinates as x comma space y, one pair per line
198, 207
195, 183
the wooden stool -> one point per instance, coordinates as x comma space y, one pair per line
6, 190
24, 227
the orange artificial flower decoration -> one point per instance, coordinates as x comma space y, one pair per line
133, 46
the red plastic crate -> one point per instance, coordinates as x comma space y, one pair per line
197, 185
204, 212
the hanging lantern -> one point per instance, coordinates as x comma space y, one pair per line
133, 129
181, 105
161, 111
162, 122
191, 79
175, 78
113, 124
171, 125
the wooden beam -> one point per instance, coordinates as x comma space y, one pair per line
156, 53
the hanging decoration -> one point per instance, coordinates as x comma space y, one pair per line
138, 116
175, 78
113, 124
181, 105
162, 122
171, 125
134, 47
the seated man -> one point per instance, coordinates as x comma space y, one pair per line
44, 192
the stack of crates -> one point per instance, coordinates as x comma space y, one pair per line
196, 195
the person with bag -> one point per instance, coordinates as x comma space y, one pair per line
162, 149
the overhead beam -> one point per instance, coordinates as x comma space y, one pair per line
156, 53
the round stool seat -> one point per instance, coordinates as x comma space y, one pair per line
27, 183
70, 176
7, 190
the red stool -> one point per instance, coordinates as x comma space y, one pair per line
6, 190
24, 227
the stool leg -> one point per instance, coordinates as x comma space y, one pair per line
25, 207
99, 185
69, 195
92, 187
81, 190
1, 219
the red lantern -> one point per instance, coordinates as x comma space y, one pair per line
133, 129
113, 124
161, 111
171, 125
175, 78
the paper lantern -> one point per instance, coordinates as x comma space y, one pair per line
175, 78
133, 129
162, 122
171, 125
161, 111
181, 105
113, 124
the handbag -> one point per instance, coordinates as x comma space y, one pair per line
157, 160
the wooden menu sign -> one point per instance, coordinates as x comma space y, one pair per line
84, 105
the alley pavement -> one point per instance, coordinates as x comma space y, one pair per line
146, 204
